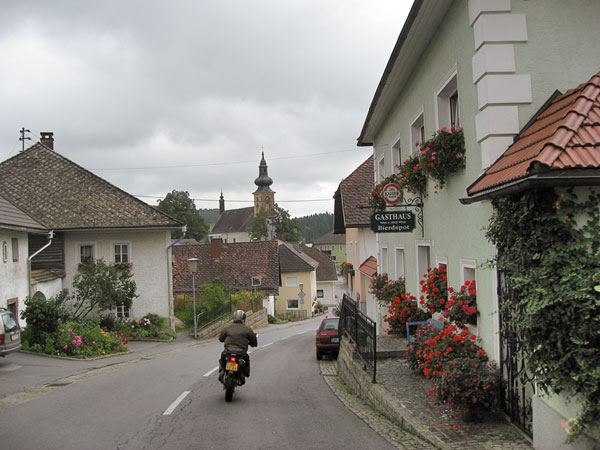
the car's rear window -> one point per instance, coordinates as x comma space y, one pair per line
10, 323
330, 325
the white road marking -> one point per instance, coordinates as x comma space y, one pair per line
283, 339
174, 405
266, 345
210, 372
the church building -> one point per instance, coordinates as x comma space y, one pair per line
233, 225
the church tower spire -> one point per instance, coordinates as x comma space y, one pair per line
264, 197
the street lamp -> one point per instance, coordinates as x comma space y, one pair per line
193, 265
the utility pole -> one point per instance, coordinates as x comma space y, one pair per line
23, 138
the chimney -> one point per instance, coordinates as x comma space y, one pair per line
215, 247
47, 138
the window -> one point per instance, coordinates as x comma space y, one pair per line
384, 261
468, 270
332, 257
320, 293
417, 132
399, 263
86, 252
396, 156
381, 168
293, 303
267, 204
423, 263
447, 101
4, 251
15, 249
256, 281
123, 312
122, 253
291, 281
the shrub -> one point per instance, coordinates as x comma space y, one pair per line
435, 288
461, 308
401, 310
43, 317
386, 290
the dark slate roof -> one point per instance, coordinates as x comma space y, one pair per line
352, 195
330, 238
237, 264
561, 141
292, 260
60, 194
326, 270
13, 218
234, 220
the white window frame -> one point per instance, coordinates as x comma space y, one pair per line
5, 251
468, 264
399, 262
396, 154
121, 243
441, 260
447, 88
384, 259
86, 244
322, 292
420, 272
292, 300
15, 249
417, 130
289, 281
380, 168
123, 312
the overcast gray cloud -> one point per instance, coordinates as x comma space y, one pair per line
154, 95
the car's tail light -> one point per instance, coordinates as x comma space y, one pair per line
1, 339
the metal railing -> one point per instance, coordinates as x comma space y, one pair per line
362, 331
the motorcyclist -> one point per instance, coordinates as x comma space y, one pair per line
237, 336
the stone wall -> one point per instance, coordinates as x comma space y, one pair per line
254, 320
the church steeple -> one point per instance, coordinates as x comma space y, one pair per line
264, 197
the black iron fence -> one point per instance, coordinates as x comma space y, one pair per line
362, 331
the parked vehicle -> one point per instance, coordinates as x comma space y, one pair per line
328, 337
10, 333
234, 373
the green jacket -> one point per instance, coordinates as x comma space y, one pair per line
238, 336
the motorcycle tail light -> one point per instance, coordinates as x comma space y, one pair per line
232, 359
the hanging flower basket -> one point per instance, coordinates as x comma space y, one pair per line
444, 154
413, 175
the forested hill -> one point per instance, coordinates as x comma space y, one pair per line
316, 225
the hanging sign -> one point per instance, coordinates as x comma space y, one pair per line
391, 193
393, 222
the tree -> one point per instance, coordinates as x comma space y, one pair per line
286, 228
258, 228
100, 286
180, 206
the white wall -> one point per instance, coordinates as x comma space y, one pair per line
147, 252
328, 292
13, 275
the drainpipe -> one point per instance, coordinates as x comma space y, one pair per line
50, 237
169, 281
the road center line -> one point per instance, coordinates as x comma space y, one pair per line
266, 345
283, 339
174, 405
210, 372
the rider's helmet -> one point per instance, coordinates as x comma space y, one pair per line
239, 316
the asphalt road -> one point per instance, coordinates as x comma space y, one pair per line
172, 400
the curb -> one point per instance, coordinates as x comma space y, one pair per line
67, 358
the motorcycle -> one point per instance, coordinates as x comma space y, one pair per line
233, 373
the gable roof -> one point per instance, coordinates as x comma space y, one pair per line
13, 218
291, 260
234, 220
330, 238
352, 193
60, 194
326, 270
560, 146
237, 264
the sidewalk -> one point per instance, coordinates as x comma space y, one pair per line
403, 396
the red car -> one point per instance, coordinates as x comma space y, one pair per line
328, 337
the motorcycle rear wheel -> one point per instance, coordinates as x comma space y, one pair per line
229, 388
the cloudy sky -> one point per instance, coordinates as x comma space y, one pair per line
161, 95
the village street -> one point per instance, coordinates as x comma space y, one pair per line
130, 401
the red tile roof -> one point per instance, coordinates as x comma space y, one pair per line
326, 270
237, 264
369, 267
354, 190
563, 137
